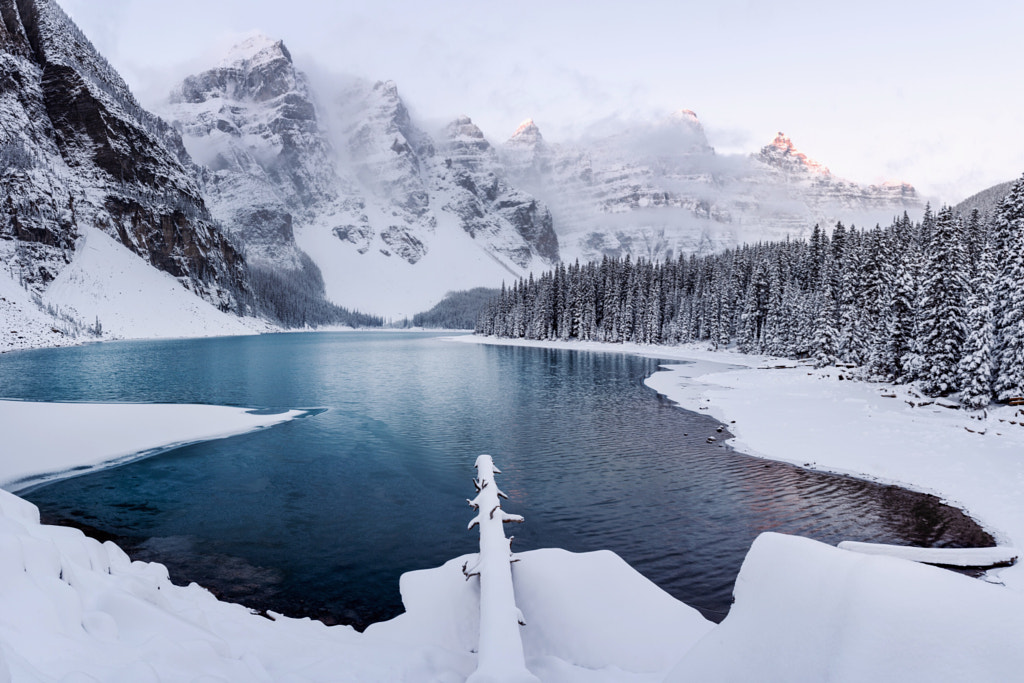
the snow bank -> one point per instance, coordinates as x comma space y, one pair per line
806, 611
72, 608
43, 441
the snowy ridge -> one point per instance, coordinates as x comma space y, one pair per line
658, 190
251, 52
252, 124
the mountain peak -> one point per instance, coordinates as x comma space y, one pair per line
783, 154
527, 135
686, 116
255, 50
463, 127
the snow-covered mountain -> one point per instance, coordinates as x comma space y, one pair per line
659, 189
391, 216
80, 153
251, 124
265, 191
816, 185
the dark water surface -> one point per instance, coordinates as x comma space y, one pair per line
320, 516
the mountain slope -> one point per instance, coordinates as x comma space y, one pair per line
986, 201
81, 152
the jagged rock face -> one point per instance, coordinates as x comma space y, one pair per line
622, 194
660, 190
406, 183
783, 155
386, 162
252, 123
355, 166
517, 224
83, 151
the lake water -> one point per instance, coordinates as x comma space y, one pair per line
319, 517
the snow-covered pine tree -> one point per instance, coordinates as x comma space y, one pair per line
977, 363
943, 305
825, 346
1008, 235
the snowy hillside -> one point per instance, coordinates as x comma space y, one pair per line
985, 201
107, 283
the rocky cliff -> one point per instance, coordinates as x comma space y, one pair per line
80, 151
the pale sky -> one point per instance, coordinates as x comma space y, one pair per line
926, 92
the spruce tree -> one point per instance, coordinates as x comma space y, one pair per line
943, 317
977, 363
1009, 236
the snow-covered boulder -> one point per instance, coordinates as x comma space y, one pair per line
806, 611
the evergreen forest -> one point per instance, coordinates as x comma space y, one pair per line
938, 302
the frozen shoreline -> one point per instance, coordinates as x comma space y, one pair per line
73, 608
74, 438
862, 429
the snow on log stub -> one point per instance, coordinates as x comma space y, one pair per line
979, 558
500, 653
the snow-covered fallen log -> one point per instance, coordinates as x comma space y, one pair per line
500, 654
981, 558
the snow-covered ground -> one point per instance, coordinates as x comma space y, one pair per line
133, 300
22, 324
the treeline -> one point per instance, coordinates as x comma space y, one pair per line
939, 302
457, 310
296, 298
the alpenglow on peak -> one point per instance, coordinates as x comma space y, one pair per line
527, 134
783, 154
